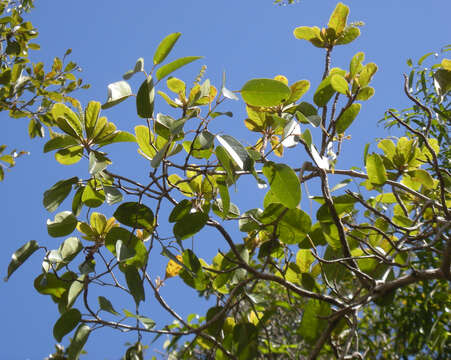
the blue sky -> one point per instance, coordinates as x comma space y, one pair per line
246, 39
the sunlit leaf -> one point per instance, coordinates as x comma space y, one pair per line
167, 69
339, 18
265, 92
347, 117
117, 92
165, 47
236, 151
284, 183
63, 224
79, 340
376, 169
20, 256
70, 155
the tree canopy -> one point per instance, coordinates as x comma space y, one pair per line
329, 262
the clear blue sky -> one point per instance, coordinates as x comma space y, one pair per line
247, 39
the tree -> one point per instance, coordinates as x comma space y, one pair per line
28, 91
293, 287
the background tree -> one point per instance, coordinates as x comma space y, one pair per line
360, 250
27, 90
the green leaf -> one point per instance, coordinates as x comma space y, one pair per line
307, 137
61, 111
376, 169
323, 93
225, 197
190, 225
298, 89
135, 284
311, 325
122, 252
265, 92
339, 84
117, 92
60, 141
93, 195
179, 211
145, 138
97, 162
145, 98
92, 112
63, 224
116, 137
160, 155
367, 74
75, 289
226, 162
49, 284
135, 215
66, 323
216, 326
356, 64
148, 323
70, 155
446, 64
304, 259
339, 18
112, 195
312, 34
236, 151
245, 335
75, 348
69, 249
284, 183
293, 224
165, 47
20, 256
106, 305
348, 35
131, 241
424, 178
139, 67
167, 69
366, 93
54, 196
347, 117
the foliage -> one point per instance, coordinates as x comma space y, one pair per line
285, 284
27, 90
